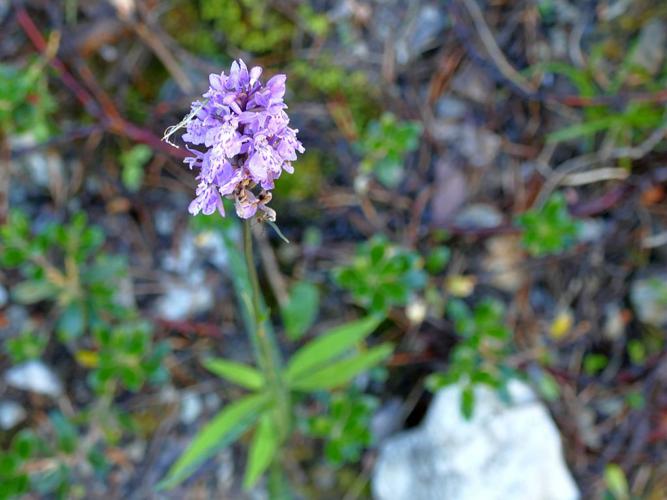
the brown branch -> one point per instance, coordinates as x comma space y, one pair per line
107, 114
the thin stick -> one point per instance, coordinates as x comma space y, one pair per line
494, 51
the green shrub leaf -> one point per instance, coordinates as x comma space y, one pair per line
468, 402
342, 371
262, 450
243, 375
226, 427
330, 345
301, 310
33, 291
617, 483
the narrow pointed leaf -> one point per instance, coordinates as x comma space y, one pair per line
330, 345
33, 291
229, 423
300, 311
262, 450
341, 372
238, 373
581, 129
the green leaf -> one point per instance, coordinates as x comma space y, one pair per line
243, 375
617, 483
389, 172
581, 130
12, 257
580, 78
32, 291
27, 345
330, 345
131, 377
66, 433
548, 386
262, 450
436, 381
595, 363
301, 310
226, 427
343, 371
133, 162
72, 322
24, 444
468, 402
438, 259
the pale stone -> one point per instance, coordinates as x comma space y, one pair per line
11, 414
504, 451
34, 376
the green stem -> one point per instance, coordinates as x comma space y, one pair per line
264, 343
277, 485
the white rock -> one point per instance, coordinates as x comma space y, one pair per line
420, 33
478, 216
11, 413
185, 298
649, 52
4, 8
479, 145
34, 376
181, 260
225, 473
45, 169
192, 249
164, 222
591, 230
212, 244
4, 296
191, 407
387, 420
503, 452
649, 298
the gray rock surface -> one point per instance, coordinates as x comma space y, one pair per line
11, 414
420, 32
649, 298
34, 376
503, 452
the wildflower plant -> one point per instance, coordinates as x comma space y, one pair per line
14, 481
382, 275
62, 264
63, 267
385, 144
245, 143
25, 102
345, 426
549, 229
51, 463
248, 142
125, 356
479, 357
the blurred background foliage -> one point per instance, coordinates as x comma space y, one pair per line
493, 187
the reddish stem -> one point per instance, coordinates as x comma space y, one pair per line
112, 122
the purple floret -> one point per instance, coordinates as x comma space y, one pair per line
245, 130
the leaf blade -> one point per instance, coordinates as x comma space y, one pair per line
238, 373
330, 345
32, 291
262, 451
341, 372
300, 311
226, 423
